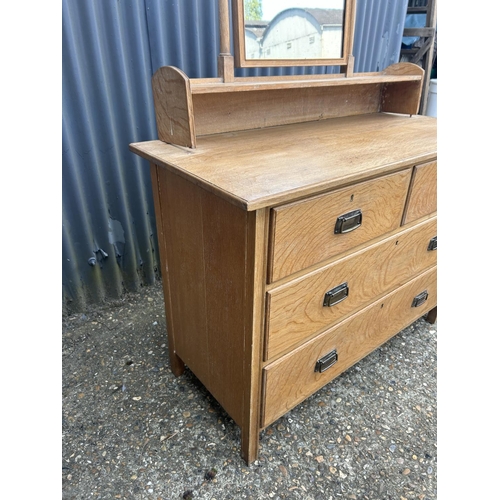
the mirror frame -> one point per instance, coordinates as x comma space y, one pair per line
239, 42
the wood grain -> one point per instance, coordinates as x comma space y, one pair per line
402, 97
225, 61
296, 310
176, 363
295, 82
212, 250
187, 108
225, 68
253, 340
239, 42
422, 199
216, 113
292, 378
258, 168
303, 232
249, 176
224, 34
173, 107
238, 18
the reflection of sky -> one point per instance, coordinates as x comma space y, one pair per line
271, 7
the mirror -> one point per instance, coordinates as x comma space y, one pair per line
292, 32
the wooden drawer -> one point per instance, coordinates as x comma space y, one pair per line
422, 198
302, 233
292, 378
296, 309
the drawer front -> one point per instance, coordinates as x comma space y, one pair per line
294, 377
422, 198
303, 233
302, 307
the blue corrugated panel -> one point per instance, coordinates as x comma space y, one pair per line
107, 103
378, 33
110, 51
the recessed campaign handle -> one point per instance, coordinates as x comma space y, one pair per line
348, 222
326, 361
433, 244
420, 299
336, 295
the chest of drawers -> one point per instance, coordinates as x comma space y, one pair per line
292, 251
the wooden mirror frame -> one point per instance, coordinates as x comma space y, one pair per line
241, 61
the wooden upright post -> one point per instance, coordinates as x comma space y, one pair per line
225, 62
350, 16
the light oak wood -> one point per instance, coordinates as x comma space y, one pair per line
350, 20
260, 168
188, 108
224, 34
225, 68
431, 316
292, 378
252, 356
320, 265
280, 107
225, 61
246, 175
296, 310
239, 42
173, 107
422, 199
405, 96
349, 72
206, 85
238, 32
214, 259
246, 84
176, 364
302, 233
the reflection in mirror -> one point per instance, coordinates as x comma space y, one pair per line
294, 29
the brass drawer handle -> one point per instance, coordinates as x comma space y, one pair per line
348, 222
433, 244
420, 299
326, 362
336, 295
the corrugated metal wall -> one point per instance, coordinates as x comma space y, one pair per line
110, 51
417, 3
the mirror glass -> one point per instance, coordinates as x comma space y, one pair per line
293, 29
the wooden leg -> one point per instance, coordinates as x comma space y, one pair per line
432, 316
250, 443
250, 427
176, 364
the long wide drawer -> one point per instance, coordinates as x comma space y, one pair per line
297, 375
300, 308
306, 232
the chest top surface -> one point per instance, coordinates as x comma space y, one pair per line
258, 168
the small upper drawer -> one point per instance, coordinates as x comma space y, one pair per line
422, 198
306, 232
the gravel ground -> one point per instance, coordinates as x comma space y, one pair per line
131, 430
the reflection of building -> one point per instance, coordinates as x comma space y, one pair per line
253, 34
296, 34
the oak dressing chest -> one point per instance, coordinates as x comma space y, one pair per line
297, 226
